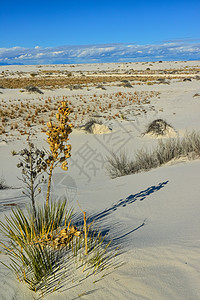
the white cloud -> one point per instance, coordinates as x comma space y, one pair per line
38, 55
57, 52
100, 53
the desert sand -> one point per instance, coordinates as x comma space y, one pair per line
153, 217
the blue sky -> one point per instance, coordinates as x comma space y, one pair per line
27, 24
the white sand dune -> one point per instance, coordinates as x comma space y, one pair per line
152, 216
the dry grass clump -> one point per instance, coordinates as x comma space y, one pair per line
24, 113
119, 165
166, 151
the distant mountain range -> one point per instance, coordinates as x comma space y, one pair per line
6, 64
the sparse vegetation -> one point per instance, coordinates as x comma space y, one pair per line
170, 149
29, 114
46, 79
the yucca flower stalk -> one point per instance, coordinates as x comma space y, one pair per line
57, 139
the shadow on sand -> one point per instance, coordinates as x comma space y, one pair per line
103, 220
141, 196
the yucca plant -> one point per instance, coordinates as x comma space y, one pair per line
20, 226
31, 257
36, 261
33, 264
100, 252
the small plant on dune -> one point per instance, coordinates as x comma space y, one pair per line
159, 127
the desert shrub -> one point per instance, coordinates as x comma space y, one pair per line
127, 85
33, 74
100, 86
33, 89
75, 87
165, 151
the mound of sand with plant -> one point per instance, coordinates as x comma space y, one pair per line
100, 129
95, 127
160, 128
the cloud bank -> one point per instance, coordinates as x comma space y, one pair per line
100, 53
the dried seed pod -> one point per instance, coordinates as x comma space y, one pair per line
63, 231
73, 229
77, 233
49, 237
64, 166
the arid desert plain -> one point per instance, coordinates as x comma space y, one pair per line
151, 215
